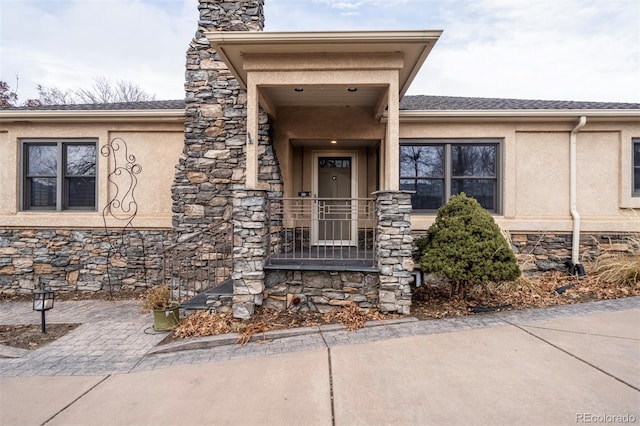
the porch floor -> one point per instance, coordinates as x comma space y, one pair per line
324, 259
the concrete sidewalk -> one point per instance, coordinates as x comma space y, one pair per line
565, 365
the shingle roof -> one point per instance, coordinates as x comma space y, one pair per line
442, 103
119, 106
409, 103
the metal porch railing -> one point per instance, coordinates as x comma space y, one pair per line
199, 261
321, 229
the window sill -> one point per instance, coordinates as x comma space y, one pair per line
70, 219
632, 202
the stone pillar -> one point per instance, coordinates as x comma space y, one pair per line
250, 227
394, 248
211, 176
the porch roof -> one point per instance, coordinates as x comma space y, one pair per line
412, 47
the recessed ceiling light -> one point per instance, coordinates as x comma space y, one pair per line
352, 89
298, 89
334, 141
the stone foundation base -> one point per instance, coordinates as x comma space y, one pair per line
547, 252
541, 252
319, 291
76, 260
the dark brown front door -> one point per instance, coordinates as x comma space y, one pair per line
334, 207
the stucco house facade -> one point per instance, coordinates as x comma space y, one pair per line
305, 150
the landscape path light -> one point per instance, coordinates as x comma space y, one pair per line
43, 301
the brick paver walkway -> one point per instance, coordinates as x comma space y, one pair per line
115, 338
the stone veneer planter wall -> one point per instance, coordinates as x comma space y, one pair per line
544, 252
69, 260
541, 252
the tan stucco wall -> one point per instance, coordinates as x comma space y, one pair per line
535, 166
542, 175
598, 174
157, 147
536, 173
351, 127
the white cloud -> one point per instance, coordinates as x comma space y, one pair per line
345, 4
121, 40
587, 50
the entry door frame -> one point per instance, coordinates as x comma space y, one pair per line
354, 194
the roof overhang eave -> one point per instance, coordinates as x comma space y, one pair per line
164, 115
319, 37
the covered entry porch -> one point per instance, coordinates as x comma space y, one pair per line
327, 216
332, 102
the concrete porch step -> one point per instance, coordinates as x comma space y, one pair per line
200, 301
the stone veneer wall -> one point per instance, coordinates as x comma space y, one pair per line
213, 163
539, 252
69, 260
319, 291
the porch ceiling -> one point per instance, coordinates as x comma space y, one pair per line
341, 143
324, 95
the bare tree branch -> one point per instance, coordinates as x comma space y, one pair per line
54, 96
8, 97
102, 91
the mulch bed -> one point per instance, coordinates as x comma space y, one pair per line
29, 336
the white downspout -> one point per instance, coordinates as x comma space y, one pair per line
575, 245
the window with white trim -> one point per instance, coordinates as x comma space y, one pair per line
636, 167
436, 169
59, 174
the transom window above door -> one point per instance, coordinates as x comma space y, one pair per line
437, 169
334, 163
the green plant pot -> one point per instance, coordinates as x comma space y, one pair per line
166, 319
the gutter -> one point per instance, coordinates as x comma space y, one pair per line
22, 116
575, 243
421, 116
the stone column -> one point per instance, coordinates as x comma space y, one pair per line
250, 228
211, 176
394, 248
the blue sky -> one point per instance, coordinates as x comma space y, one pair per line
528, 49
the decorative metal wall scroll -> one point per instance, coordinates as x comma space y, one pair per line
119, 213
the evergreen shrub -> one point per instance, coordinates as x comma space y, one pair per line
465, 246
